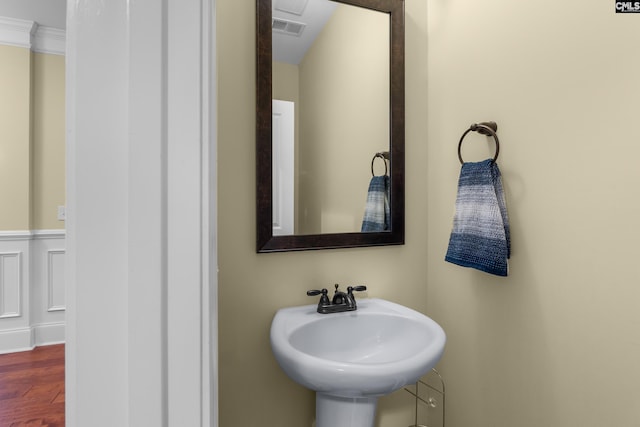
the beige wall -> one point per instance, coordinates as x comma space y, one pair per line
253, 389
48, 167
285, 84
32, 139
556, 343
15, 138
344, 116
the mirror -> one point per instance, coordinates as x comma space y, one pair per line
338, 105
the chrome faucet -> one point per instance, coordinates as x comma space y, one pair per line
341, 301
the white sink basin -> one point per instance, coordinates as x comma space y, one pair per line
355, 356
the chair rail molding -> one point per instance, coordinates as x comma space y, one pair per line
31, 234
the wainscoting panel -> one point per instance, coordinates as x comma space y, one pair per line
32, 289
10, 284
55, 280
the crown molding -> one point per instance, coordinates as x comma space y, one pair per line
16, 32
49, 40
30, 35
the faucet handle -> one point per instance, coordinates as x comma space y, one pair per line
358, 288
324, 299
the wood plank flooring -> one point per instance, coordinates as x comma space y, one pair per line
32, 388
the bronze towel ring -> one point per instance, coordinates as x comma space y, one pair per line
485, 128
384, 155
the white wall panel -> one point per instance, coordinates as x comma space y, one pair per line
55, 280
10, 284
32, 289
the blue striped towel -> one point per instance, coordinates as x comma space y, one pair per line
376, 213
480, 237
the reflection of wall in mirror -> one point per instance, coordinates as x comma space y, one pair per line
342, 90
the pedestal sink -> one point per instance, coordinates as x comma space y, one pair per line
350, 359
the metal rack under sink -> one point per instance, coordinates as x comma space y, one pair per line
430, 400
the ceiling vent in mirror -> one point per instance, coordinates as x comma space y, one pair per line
296, 7
287, 27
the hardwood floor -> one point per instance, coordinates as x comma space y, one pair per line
32, 388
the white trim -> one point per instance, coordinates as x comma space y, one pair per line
5, 312
71, 376
13, 235
49, 40
48, 234
51, 274
34, 311
48, 333
15, 340
16, 32
155, 360
210, 391
188, 219
146, 163
16, 235
25, 339
30, 35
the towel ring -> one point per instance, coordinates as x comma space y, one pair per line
384, 155
485, 128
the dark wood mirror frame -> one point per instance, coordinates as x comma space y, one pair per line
266, 241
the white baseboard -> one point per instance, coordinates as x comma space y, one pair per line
15, 340
25, 339
48, 334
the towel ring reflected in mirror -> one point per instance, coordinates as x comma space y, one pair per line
384, 155
484, 128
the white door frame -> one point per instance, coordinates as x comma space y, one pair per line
141, 212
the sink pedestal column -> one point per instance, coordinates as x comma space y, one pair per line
332, 411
